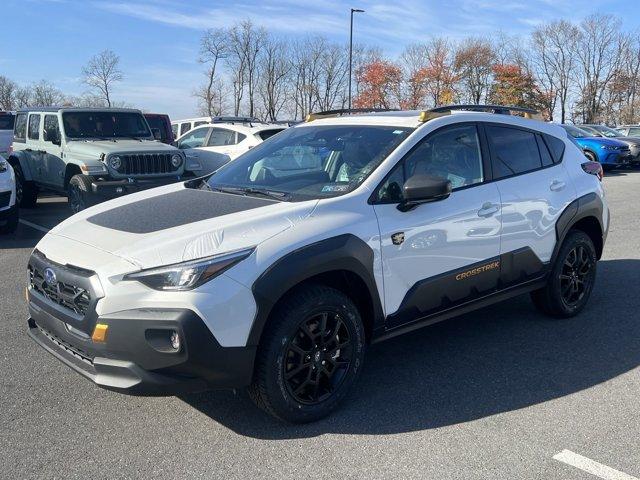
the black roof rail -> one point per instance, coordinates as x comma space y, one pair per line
501, 109
230, 119
347, 111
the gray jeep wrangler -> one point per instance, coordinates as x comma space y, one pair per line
88, 154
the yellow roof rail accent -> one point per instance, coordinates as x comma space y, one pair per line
426, 115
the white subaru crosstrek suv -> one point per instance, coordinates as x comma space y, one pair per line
277, 271
8, 206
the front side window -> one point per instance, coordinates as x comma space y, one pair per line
105, 125
576, 132
51, 127
34, 127
606, 131
220, 137
513, 151
311, 161
174, 130
634, 132
452, 153
20, 129
194, 139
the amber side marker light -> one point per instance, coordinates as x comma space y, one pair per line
100, 332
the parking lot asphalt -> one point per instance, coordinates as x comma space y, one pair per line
493, 394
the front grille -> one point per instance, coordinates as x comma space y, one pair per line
5, 197
69, 296
75, 351
146, 164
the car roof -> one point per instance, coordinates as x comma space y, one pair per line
77, 109
244, 129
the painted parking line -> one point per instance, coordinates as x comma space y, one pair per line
591, 466
34, 225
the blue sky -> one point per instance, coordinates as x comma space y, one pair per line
158, 40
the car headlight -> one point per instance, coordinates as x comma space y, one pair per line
188, 275
115, 162
4, 166
176, 160
609, 147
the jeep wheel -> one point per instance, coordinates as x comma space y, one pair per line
26, 191
310, 356
79, 193
11, 223
571, 280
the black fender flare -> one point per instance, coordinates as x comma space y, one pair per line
341, 253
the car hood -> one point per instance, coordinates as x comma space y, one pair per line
177, 223
94, 148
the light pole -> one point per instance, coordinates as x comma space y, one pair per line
353, 10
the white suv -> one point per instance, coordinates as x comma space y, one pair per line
208, 147
8, 206
278, 270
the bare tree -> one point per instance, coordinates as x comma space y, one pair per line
598, 61
45, 94
554, 47
213, 48
7, 93
102, 72
414, 61
307, 65
273, 73
474, 62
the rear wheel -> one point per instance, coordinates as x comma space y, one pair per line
79, 193
310, 357
571, 280
591, 156
26, 191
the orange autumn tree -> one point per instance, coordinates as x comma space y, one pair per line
514, 86
379, 85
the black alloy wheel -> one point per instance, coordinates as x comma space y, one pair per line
575, 275
317, 358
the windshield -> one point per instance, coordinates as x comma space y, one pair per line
6, 122
576, 132
606, 131
105, 125
311, 162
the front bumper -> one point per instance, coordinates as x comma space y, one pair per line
136, 357
118, 188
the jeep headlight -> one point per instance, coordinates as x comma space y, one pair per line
4, 166
115, 162
188, 275
176, 160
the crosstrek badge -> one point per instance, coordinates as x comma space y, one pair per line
478, 270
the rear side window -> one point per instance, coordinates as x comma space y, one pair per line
544, 152
221, 137
20, 130
184, 128
264, 134
197, 124
556, 147
514, 151
34, 127
6, 122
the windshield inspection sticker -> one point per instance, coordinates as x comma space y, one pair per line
335, 188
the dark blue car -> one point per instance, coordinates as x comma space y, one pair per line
609, 152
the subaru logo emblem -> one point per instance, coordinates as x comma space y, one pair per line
50, 277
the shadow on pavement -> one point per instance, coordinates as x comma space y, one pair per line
498, 359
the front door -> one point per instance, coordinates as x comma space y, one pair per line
53, 165
443, 253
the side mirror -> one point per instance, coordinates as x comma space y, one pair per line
423, 189
156, 133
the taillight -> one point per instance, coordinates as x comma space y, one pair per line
594, 168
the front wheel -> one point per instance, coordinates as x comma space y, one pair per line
79, 193
571, 280
310, 356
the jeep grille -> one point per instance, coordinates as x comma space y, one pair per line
146, 164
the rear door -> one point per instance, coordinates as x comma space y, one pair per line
534, 191
446, 252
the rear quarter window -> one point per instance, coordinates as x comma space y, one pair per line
6, 122
20, 129
556, 147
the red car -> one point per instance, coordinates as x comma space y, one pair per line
160, 126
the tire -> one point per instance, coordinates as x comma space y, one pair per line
302, 375
79, 193
26, 191
591, 156
571, 279
11, 223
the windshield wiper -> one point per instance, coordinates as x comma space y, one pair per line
251, 191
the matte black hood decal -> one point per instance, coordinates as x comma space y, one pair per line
174, 209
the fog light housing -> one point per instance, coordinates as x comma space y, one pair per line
174, 339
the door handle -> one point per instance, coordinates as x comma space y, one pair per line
488, 209
557, 185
